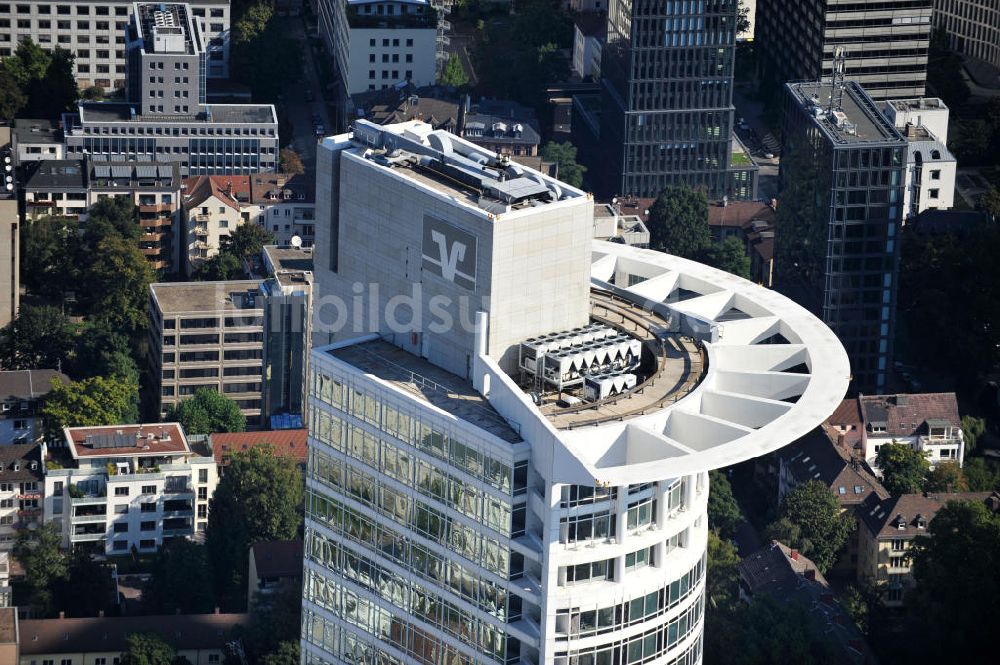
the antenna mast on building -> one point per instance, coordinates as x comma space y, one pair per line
837, 79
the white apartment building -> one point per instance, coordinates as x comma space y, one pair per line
529, 483
116, 488
380, 43
928, 422
930, 166
21, 487
95, 33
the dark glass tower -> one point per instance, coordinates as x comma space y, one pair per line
667, 113
839, 216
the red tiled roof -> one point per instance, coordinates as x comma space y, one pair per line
286, 442
230, 189
739, 213
904, 415
147, 439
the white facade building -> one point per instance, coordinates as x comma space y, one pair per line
95, 33
930, 166
380, 43
119, 487
928, 422
458, 511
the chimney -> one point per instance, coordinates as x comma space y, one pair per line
463, 109
795, 555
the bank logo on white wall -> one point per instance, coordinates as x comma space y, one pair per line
449, 252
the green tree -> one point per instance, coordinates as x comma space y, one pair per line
12, 98
723, 512
118, 282
678, 222
276, 618
972, 429
247, 240
904, 470
453, 74
989, 202
41, 337
253, 22
264, 56
981, 474
30, 63
743, 19
88, 403
180, 580
259, 497
111, 216
729, 255
89, 588
564, 157
56, 93
946, 477
208, 412
221, 267
104, 351
45, 565
290, 162
811, 520
287, 653
957, 583
723, 572
49, 256
147, 649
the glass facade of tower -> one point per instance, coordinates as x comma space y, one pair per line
667, 74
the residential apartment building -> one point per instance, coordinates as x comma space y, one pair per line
216, 205
378, 44
96, 34
562, 543
206, 335
22, 394
884, 44
200, 639
68, 188
930, 166
666, 116
887, 530
118, 488
10, 235
21, 490
35, 140
972, 26
841, 209
928, 422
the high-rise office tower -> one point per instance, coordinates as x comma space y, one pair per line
842, 205
667, 111
885, 42
508, 460
972, 26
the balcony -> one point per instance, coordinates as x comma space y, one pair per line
156, 223
89, 519
86, 537
155, 208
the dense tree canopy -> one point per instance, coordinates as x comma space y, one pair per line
946, 477
453, 74
221, 267
564, 156
811, 520
90, 402
723, 511
208, 412
118, 282
678, 222
41, 337
147, 649
247, 240
37, 83
957, 582
48, 250
181, 580
904, 469
45, 565
259, 497
290, 162
729, 255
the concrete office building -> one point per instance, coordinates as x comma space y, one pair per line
166, 119
837, 236
885, 43
930, 167
377, 44
449, 494
96, 34
166, 62
206, 335
10, 235
114, 488
287, 299
972, 26
68, 188
667, 112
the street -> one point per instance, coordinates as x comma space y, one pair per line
295, 106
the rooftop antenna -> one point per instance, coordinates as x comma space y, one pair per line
837, 79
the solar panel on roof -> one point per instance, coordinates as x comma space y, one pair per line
164, 171
145, 171
121, 171
102, 171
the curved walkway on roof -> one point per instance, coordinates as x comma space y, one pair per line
775, 372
